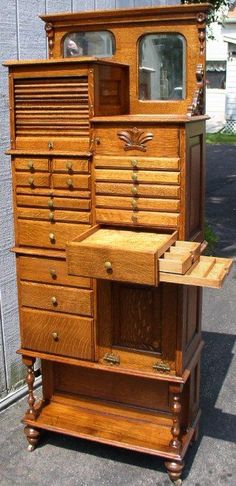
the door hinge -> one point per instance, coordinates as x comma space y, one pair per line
111, 358
162, 366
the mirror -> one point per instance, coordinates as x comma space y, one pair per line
92, 44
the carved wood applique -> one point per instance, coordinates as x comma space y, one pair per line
198, 104
135, 139
50, 35
201, 24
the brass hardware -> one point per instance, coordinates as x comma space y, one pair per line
52, 237
111, 358
30, 164
134, 204
53, 273
134, 190
134, 218
54, 300
50, 145
55, 336
50, 203
163, 367
108, 266
69, 182
134, 177
69, 165
51, 216
134, 162
31, 181
97, 141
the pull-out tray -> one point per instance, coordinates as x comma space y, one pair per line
143, 257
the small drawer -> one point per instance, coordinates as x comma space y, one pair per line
154, 163
60, 334
48, 270
139, 203
44, 234
31, 164
117, 254
32, 181
54, 215
70, 166
138, 176
52, 202
70, 181
56, 298
149, 190
170, 220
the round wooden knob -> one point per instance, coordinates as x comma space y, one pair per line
69, 183
134, 204
30, 165
134, 190
69, 165
54, 300
53, 273
31, 181
50, 203
55, 336
52, 237
134, 177
134, 162
134, 218
51, 216
108, 266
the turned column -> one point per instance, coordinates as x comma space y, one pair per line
175, 467
31, 432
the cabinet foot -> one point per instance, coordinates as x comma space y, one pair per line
32, 436
174, 469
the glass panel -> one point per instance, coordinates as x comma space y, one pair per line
97, 44
162, 67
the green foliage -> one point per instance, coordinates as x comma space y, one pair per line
217, 138
218, 11
211, 238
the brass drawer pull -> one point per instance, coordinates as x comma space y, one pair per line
134, 218
54, 300
53, 273
134, 204
52, 237
134, 190
134, 177
69, 166
134, 162
69, 182
31, 181
111, 358
55, 336
50, 145
50, 203
108, 267
30, 165
51, 216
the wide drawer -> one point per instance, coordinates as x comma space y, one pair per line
52, 202
56, 298
48, 235
32, 180
57, 333
32, 164
70, 181
137, 217
157, 163
120, 189
54, 215
48, 270
142, 176
117, 254
138, 203
70, 166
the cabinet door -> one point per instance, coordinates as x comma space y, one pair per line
137, 326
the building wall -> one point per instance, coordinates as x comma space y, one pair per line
23, 37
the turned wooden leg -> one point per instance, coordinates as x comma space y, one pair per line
33, 436
174, 469
176, 442
30, 378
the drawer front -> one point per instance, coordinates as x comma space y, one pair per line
56, 298
165, 142
154, 163
48, 235
32, 164
57, 334
117, 189
70, 181
53, 202
70, 166
48, 270
138, 203
32, 180
170, 220
151, 177
54, 215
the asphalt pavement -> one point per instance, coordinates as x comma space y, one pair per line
65, 461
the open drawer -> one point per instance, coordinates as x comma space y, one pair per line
118, 254
143, 257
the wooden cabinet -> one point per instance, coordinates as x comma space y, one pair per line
108, 182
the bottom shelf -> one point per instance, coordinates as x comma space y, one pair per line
108, 423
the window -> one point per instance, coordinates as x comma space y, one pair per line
215, 74
162, 67
94, 44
